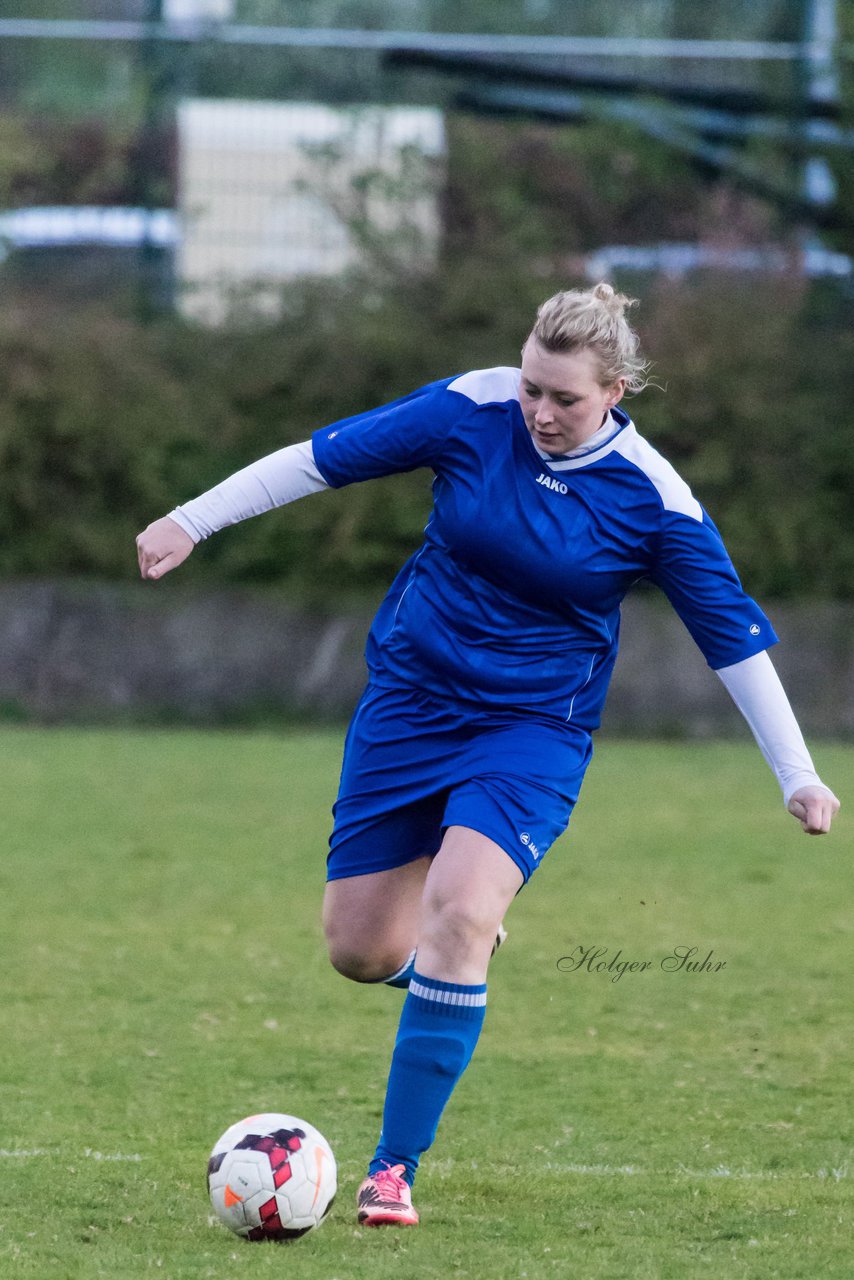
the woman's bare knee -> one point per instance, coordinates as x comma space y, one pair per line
346, 956
371, 921
369, 964
457, 931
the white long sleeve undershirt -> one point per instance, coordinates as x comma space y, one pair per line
755, 688
292, 473
281, 477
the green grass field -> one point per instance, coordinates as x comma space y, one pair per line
164, 974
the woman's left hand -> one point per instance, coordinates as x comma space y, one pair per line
814, 807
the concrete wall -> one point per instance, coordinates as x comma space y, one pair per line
143, 652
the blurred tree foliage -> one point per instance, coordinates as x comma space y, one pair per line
106, 423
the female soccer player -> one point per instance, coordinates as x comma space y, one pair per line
489, 662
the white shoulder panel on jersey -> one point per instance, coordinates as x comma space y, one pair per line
672, 489
489, 386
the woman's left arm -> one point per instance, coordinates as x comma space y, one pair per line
755, 688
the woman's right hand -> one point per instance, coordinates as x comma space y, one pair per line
162, 547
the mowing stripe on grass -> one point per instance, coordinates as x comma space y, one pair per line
596, 1170
682, 1171
88, 1154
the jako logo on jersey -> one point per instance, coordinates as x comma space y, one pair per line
526, 839
551, 483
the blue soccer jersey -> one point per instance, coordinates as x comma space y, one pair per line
513, 600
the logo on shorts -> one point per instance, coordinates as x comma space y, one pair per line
526, 840
754, 630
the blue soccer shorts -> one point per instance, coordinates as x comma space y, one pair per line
414, 765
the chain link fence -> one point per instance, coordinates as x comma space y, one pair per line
215, 158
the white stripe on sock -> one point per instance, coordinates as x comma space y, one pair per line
470, 999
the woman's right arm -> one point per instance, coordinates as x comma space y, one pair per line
281, 477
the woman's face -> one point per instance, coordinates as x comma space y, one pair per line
562, 401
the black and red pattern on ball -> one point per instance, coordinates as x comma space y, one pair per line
271, 1225
290, 1139
277, 1147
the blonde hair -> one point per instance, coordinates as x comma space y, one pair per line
579, 318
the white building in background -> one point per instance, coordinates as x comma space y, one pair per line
272, 191
198, 10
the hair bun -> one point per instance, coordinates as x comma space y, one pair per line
576, 319
617, 303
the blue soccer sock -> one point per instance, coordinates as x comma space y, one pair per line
403, 976
439, 1028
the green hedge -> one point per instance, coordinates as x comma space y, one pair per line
106, 424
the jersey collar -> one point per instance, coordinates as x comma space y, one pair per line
593, 449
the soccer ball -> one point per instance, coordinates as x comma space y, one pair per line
272, 1177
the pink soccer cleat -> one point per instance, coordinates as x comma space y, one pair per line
385, 1200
